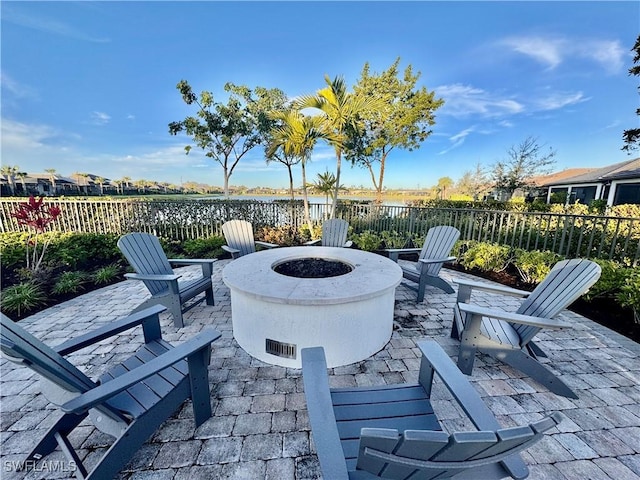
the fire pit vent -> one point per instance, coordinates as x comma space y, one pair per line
280, 349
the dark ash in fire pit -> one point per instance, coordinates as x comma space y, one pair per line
312, 268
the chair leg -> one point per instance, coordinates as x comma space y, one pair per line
466, 357
209, 296
63, 427
534, 369
176, 311
199, 382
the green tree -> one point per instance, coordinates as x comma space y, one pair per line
443, 184
100, 181
52, 179
226, 132
10, 172
326, 183
524, 162
22, 176
401, 119
340, 115
296, 136
474, 183
275, 145
631, 137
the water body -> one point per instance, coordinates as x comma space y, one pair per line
312, 199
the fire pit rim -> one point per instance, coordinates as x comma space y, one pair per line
253, 275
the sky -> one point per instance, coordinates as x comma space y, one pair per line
91, 86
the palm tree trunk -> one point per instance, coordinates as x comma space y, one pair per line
291, 183
337, 187
307, 215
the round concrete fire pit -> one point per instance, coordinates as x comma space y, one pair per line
274, 316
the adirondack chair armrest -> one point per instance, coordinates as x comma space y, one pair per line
321, 416
313, 242
394, 253
490, 288
192, 261
229, 249
266, 244
434, 358
147, 317
107, 390
541, 322
155, 278
437, 260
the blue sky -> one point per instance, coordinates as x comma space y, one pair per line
90, 86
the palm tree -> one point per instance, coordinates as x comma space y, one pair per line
10, 172
340, 111
22, 176
443, 184
125, 181
325, 184
100, 181
296, 137
278, 153
52, 179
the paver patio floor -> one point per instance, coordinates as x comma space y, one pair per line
260, 426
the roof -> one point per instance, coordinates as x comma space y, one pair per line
562, 175
617, 171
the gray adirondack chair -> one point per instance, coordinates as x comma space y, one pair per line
239, 237
392, 431
334, 234
145, 254
129, 401
435, 251
509, 336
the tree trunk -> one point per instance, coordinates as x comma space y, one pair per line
307, 216
291, 183
337, 187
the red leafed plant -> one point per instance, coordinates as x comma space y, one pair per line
37, 216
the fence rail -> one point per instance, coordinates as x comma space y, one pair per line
590, 236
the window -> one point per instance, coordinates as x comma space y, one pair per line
627, 193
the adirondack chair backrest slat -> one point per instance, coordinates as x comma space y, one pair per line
334, 232
438, 244
146, 256
239, 235
565, 283
430, 454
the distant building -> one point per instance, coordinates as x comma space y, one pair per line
617, 184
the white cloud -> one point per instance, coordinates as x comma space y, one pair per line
13, 15
464, 100
458, 139
22, 136
100, 118
556, 101
18, 90
553, 51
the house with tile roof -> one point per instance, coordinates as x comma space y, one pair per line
617, 184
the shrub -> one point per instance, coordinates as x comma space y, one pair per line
69, 282
106, 275
393, 239
286, 236
629, 294
84, 250
204, 247
612, 278
367, 240
306, 235
535, 265
487, 256
22, 298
